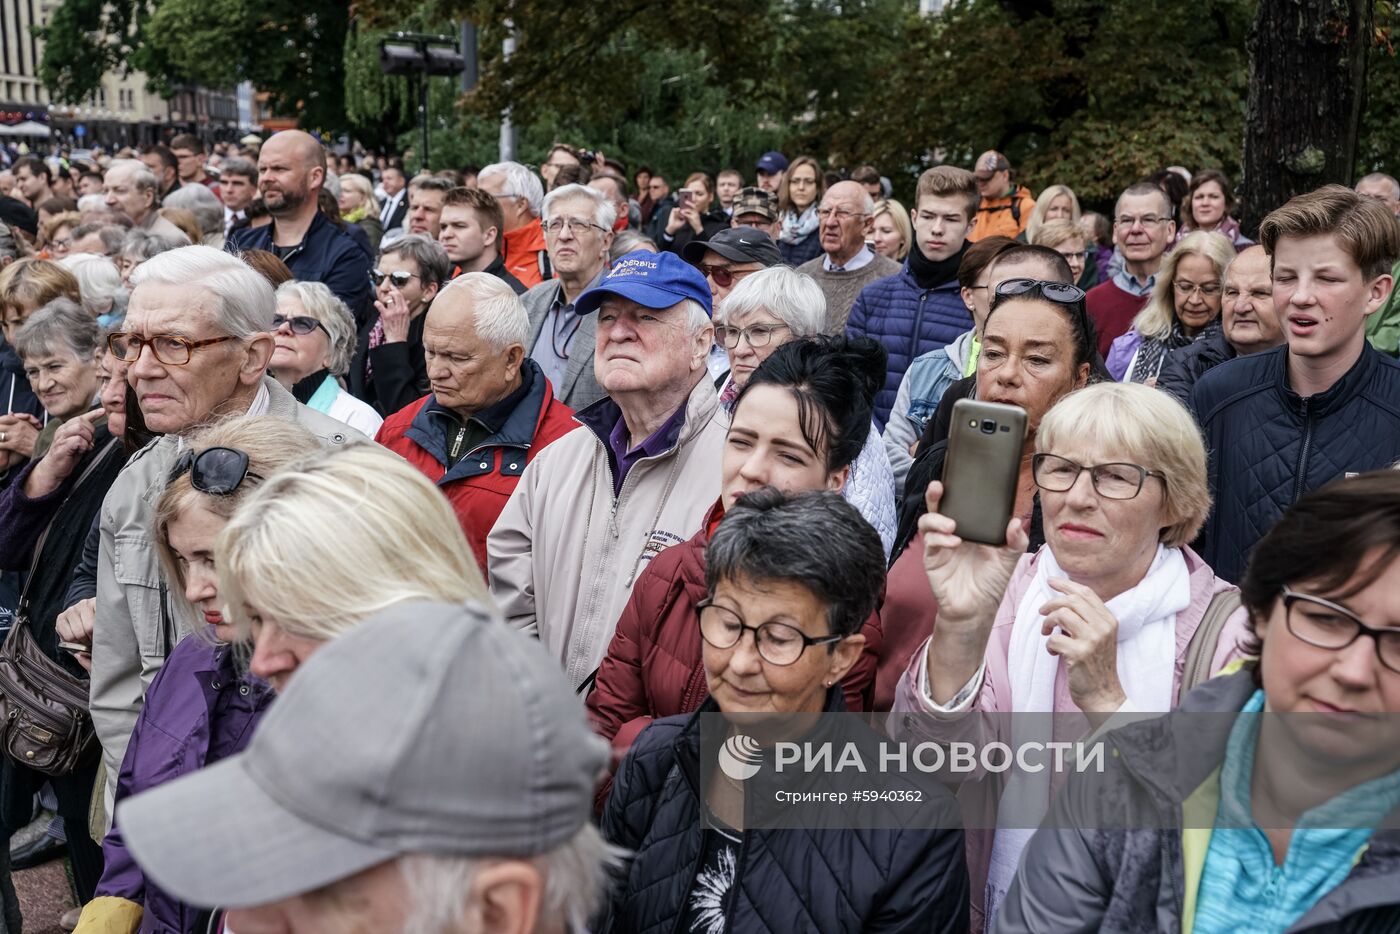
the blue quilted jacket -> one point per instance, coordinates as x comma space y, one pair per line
1268, 445
909, 321
786, 881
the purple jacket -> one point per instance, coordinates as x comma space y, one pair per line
199, 709
1120, 354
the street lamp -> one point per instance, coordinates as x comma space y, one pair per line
424, 56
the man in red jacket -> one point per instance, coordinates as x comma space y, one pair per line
491, 409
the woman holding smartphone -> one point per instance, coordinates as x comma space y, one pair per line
696, 216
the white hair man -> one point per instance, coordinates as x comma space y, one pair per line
521, 195
844, 219
132, 189
197, 340
491, 409
343, 814
598, 504
578, 232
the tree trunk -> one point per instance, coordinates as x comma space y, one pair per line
1307, 80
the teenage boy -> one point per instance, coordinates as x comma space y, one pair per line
920, 308
469, 229
1281, 423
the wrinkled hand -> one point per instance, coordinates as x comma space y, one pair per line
71, 441
1084, 633
968, 579
20, 429
394, 316
75, 625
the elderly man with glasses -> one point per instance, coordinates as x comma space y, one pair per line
1143, 228
196, 342
578, 230
844, 219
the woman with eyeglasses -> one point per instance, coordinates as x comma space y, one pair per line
697, 215
1100, 620
788, 582
1071, 242
1184, 307
1280, 822
202, 706
764, 311
313, 337
798, 425
799, 194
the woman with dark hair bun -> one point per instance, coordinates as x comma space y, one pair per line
798, 424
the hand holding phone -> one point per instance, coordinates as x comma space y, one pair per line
982, 468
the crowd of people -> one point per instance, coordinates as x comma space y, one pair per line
373, 545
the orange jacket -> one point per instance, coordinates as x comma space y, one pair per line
525, 255
996, 215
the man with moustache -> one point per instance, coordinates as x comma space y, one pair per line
291, 172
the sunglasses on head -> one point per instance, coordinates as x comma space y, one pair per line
399, 279
216, 471
299, 324
1059, 292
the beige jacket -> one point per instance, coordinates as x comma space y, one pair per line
136, 625
565, 552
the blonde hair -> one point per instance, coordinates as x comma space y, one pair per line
1158, 315
50, 227
900, 217
31, 284
1149, 428
339, 536
269, 443
1042, 204
1053, 233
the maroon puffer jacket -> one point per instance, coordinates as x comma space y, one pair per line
654, 666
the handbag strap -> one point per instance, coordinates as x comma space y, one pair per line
93, 464
1201, 649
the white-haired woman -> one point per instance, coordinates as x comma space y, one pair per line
314, 340
1184, 307
100, 284
358, 206
766, 310
1086, 624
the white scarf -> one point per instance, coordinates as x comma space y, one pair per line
798, 227
1146, 617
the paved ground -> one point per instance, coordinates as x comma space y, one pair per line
45, 894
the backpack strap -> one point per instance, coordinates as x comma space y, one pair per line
1201, 650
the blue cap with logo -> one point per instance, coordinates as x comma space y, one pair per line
652, 280
771, 163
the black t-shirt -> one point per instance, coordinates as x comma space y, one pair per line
708, 902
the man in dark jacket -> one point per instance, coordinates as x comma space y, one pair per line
1249, 324
291, 172
920, 308
1281, 423
469, 229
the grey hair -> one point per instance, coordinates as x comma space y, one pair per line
206, 207
497, 312
1382, 177
140, 244
112, 235
89, 203
520, 183
332, 182
576, 874
245, 302
323, 305
696, 317
431, 183
1137, 190
99, 283
627, 241
604, 213
142, 177
431, 258
9, 245
240, 167
61, 323
793, 297
816, 540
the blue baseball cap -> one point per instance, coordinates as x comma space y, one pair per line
771, 163
652, 280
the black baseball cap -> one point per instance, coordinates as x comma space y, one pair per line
738, 245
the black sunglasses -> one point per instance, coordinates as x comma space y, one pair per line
300, 324
1058, 292
217, 471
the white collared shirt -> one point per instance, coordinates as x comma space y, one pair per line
864, 258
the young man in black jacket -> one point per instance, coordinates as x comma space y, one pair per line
1281, 423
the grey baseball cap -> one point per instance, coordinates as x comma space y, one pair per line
429, 729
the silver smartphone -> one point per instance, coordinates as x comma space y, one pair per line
981, 468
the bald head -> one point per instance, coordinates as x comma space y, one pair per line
1248, 317
845, 220
291, 171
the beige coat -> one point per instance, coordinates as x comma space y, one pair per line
565, 552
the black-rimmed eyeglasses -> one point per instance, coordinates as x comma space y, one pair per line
777, 643
1327, 625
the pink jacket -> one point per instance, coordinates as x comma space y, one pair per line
995, 694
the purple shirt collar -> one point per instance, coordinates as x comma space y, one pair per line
659, 442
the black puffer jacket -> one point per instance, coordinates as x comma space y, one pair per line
1268, 445
1185, 365
787, 881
